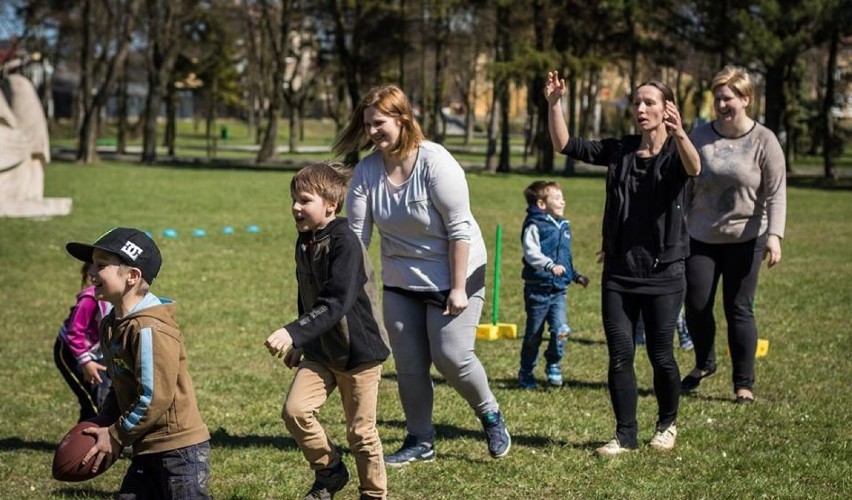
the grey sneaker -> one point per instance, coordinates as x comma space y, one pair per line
499, 440
664, 440
411, 451
328, 482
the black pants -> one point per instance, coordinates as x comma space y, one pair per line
738, 265
620, 313
89, 396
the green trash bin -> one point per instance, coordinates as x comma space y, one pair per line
223, 133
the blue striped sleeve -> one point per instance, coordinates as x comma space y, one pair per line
146, 369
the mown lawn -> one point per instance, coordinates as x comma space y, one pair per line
234, 289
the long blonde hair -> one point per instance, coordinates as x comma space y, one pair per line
391, 101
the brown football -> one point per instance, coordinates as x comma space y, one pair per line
68, 459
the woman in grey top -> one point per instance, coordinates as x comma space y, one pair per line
735, 217
433, 264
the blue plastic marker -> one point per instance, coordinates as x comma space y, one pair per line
198, 233
228, 230
170, 233
253, 229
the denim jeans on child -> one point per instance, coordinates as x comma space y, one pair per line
181, 474
544, 305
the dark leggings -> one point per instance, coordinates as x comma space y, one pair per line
738, 265
620, 313
89, 396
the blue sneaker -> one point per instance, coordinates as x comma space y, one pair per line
554, 375
526, 380
499, 440
411, 451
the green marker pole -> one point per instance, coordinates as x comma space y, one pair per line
496, 295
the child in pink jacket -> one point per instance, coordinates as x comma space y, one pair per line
76, 351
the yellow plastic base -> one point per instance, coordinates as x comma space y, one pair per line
498, 331
762, 349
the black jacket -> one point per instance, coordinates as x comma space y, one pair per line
339, 320
669, 179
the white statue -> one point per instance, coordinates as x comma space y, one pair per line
24, 151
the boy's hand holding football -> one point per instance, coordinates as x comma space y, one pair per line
105, 450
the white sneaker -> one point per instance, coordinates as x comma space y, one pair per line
664, 440
611, 449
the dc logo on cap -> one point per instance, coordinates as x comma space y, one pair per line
131, 250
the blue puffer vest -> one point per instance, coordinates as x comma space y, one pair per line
555, 238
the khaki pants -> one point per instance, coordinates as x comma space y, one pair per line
359, 390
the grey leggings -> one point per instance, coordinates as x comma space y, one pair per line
421, 335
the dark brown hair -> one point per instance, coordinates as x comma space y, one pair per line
664, 89
538, 191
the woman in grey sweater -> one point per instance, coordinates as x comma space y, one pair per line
433, 265
735, 216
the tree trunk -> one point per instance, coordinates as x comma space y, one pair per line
87, 138
505, 146
441, 29
351, 64
171, 119
829, 170
268, 147
469, 112
92, 100
295, 121
210, 129
775, 99
542, 145
504, 54
86, 128
278, 39
152, 111
121, 111
491, 148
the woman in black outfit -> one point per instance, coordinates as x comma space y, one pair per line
644, 245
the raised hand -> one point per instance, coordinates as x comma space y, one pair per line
554, 87
671, 118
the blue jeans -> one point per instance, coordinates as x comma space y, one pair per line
183, 473
542, 306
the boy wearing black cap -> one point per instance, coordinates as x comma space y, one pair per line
152, 401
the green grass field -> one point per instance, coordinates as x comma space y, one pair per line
233, 290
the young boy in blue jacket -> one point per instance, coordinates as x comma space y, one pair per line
548, 269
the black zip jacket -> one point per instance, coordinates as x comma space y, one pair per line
339, 318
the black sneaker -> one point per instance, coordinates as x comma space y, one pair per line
328, 482
496, 434
411, 451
